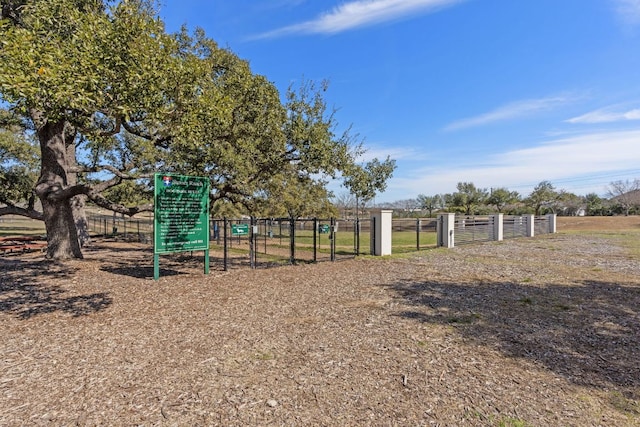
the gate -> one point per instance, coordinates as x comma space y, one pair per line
353, 237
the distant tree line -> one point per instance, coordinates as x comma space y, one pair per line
622, 198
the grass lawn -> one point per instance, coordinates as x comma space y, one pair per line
13, 225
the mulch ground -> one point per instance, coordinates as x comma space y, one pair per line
526, 332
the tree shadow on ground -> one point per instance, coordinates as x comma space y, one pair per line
24, 291
138, 272
171, 265
587, 333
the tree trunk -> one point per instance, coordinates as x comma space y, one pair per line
77, 202
80, 219
58, 156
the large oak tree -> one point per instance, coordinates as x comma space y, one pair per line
110, 97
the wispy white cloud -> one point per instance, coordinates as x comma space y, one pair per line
570, 161
607, 115
395, 152
628, 10
510, 111
361, 13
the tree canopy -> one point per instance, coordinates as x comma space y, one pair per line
625, 193
364, 181
501, 197
543, 195
19, 157
469, 196
431, 203
110, 97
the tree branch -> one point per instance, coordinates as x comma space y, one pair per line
15, 210
96, 197
117, 172
105, 185
158, 141
116, 129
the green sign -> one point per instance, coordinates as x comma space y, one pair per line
181, 216
323, 228
239, 229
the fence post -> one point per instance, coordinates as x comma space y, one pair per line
498, 226
225, 252
372, 233
418, 225
252, 249
267, 233
292, 240
315, 239
384, 231
332, 238
446, 224
531, 224
552, 223
357, 235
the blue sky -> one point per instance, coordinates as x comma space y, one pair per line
501, 93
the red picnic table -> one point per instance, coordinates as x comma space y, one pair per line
21, 244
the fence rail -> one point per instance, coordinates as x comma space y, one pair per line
541, 225
458, 230
272, 241
268, 241
140, 230
474, 229
514, 227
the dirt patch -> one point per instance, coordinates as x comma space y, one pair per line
598, 223
531, 332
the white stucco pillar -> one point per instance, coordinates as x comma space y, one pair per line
498, 227
552, 223
531, 224
382, 231
445, 229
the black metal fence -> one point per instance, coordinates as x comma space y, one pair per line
263, 242
414, 234
134, 229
